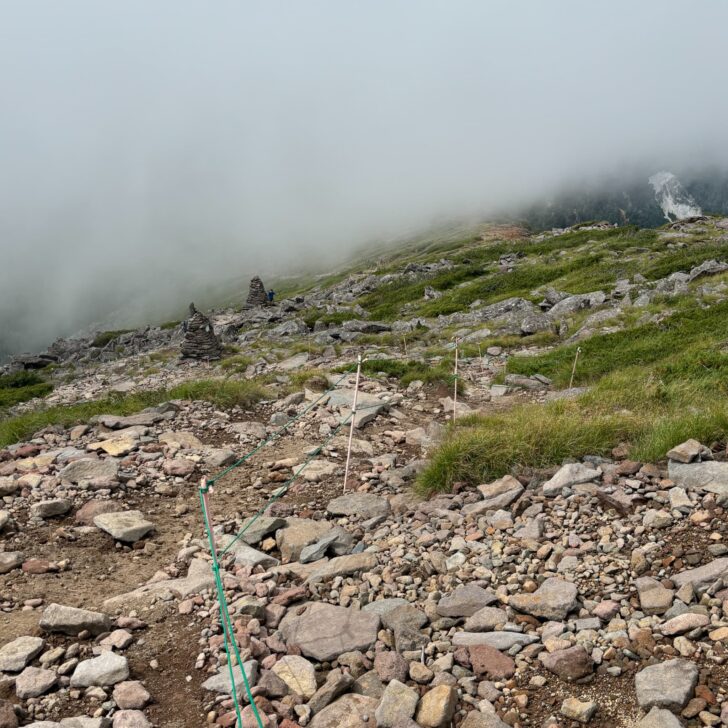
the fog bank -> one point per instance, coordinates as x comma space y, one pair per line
151, 150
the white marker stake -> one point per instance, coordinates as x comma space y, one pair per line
573, 369
455, 397
353, 418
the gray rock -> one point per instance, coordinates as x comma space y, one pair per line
465, 601
554, 599
220, 683
498, 494
349, 711
246, 555
87, 469
15, 655
299, 533
34, 681
572, 663
654, 598
399, 703
84, 721
368, 406
486, 620
659, 718
363, 505
710, 476
667, 685
569, 475
127, 526
316, 551
10, 560
382, 606
337, 683
499, 640
688, 451
106, 669
343, 566
260, 528
130, 719
324, 631
71, 620
702, 577
298, 673
478, 719
50, 508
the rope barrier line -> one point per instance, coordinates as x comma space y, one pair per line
278, 433
228, 632
281, 491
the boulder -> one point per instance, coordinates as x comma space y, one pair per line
106, 669
654, 598
554, 599
299, 532
127, 526
398, 704
437, 707
704, 576
659, 718
71, 620
220, 683
465, 601
50, 508
362, 505
15, 655
568, 475
323, 631
10, 560
298, 674
90, 469
569, 664
669, 684
34, 681
709, 476
350, 711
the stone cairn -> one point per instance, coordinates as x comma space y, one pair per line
200, 341
257, 295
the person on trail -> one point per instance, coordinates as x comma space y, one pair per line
271, 295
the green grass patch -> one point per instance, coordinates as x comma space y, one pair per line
105, 337
169, 325
225, 394
408, 371
653, 387
20, 387
237, 364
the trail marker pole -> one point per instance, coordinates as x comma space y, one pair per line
455, 394
353, 420
573, 369
404, 341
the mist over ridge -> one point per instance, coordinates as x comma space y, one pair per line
153, 155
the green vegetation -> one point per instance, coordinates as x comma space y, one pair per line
20, 387
105, 337
224, 393
236, 364
653, 386
170, 325
409, 371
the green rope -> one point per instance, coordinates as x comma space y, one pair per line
284, 488
278, 433
228, 633
280, 492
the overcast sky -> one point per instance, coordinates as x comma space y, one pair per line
150, 147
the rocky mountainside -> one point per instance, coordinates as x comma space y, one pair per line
546, 547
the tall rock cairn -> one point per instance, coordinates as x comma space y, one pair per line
257, 295
200, 341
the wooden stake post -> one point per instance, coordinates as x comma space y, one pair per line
353, 419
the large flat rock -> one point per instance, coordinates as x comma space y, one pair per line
324, 631
554, 599
220, 683
351, 711
368, 406
710, 476
667, 685
71, 620
702, 577
15, 655
127, 526
364, 505
87, 469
